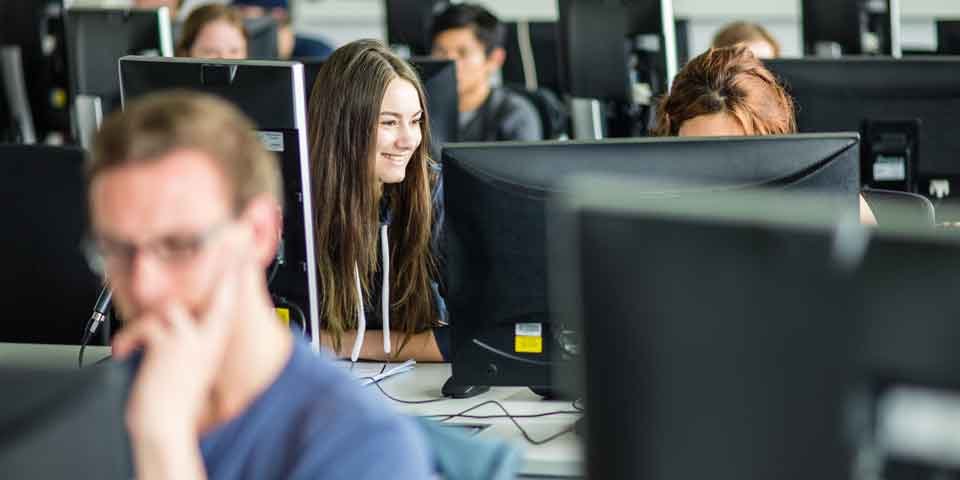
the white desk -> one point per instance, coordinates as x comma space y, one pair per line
48, 356
560, 457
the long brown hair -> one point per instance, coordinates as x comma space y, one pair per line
344, 113
203, 16
731, 80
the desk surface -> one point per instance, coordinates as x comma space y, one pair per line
560, 457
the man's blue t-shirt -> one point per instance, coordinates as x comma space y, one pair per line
315, 421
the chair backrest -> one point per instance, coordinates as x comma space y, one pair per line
553, 113
893, 207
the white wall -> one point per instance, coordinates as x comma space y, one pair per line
341, 21
345, 20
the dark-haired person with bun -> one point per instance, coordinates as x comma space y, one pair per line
728, 92
474, 38
377, 208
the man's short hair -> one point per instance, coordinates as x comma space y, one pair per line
161, 123
485, 25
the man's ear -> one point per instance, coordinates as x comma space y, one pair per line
496, 58
265, 217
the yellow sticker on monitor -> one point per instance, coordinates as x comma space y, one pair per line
526, 344
284, 315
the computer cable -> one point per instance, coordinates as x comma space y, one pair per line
376, 382
88, 332
301, 317
100, 313
464, 414
513, 419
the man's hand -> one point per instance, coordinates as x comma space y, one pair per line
173, 384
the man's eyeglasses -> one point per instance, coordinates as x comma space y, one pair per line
109, 255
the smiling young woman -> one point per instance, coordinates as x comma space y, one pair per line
376, 202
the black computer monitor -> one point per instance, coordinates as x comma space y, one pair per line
409, 23
948, 37
31, 25
281, 121
533, 50
755, 335
48, 286
439, 79
703, 334
16, 118
850, 27
614, 27
98, 37
64, 423
903, 107
495, 240
261, 38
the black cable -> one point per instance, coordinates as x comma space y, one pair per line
273, 272
283, 302
405, 402
578, 404
88, 335
513, 419
463, 414
83, 342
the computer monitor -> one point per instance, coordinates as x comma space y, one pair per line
409, 23
948, 37
34, 26
637, 32
48, 286
832, 28
495, 241
16, 118
98, 37
704, 334
64, 423
261, 38
753, 334
439, 79
532, 55
903, 107
280, 118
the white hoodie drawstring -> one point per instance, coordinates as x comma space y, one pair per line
385, 295
361, 317
384, 301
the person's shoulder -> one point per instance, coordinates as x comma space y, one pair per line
345, 429
308, 46
518, 117
516, 101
